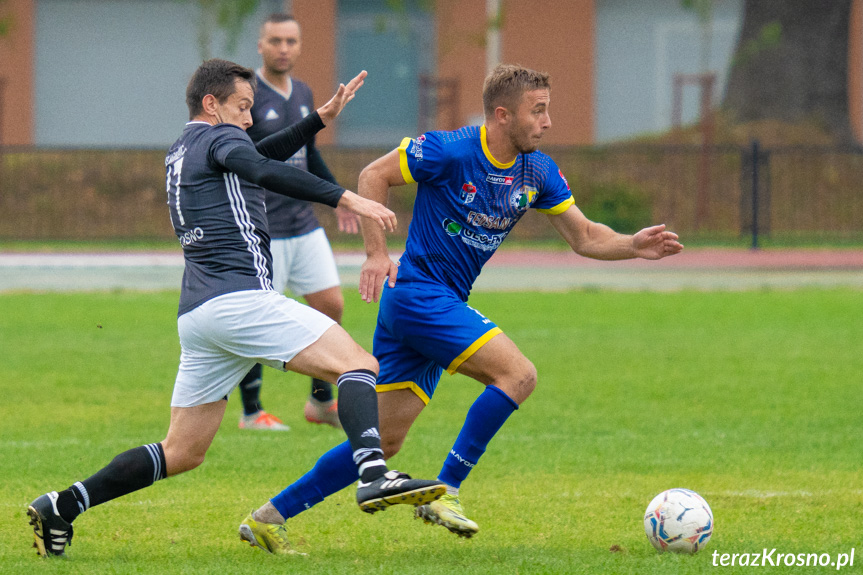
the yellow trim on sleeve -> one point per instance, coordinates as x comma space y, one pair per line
559, 208
484, 139
463, 356
403, 385
403, 161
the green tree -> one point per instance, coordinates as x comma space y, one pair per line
228, 16
791, 64
5, 21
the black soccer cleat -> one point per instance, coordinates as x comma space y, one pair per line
394, 488
52, 533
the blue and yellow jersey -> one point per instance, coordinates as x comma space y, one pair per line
467, 202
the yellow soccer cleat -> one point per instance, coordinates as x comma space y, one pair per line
270, 537
447, 511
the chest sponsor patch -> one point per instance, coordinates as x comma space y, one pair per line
500, 180
468, 193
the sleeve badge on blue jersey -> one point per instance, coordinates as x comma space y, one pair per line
562, 177
415, 148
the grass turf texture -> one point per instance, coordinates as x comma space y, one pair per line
752, 399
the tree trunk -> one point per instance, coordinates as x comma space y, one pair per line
804, 76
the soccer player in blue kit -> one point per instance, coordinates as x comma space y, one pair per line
231, 318
473, 186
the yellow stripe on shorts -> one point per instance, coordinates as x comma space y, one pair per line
463, 356
403, 385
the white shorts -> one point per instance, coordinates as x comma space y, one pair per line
304, 264
224, 337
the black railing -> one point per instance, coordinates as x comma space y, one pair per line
750, 195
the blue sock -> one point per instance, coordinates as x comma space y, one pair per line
484, 418
334, 471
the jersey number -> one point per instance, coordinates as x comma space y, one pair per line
173, 181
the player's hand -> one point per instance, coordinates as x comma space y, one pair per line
377, 212
655, 242
344, 94
372, 275
349, 223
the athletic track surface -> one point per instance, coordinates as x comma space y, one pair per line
696, 269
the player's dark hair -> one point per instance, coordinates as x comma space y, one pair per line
279, 17
506, 83
217, 77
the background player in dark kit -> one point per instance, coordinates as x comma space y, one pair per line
303, 261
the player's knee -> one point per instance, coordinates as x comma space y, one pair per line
183, 459
193, 459
530, 378
363, 360
522, 382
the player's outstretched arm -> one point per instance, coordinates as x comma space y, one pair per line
598, 241
280, 177
377, 213
343, 95
286, 142
374, 184
655, 243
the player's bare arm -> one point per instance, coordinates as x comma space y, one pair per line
383, 217
374, 184
598, 241
343, 95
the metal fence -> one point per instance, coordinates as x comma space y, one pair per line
781, 196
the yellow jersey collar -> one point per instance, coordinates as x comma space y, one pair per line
495, 163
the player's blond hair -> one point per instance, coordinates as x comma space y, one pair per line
506, 83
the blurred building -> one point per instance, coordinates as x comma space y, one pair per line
113, 72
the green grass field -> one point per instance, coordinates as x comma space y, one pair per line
753, 399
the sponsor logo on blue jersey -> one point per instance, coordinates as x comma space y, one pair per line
501, 180
468, 193
523, 197
490, 222
416, 148
562, 177
485, 242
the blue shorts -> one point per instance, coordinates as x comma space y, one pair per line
423, 329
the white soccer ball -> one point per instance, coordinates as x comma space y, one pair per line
678, 520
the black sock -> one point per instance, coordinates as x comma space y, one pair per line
130, 471
322, 390
250, 390
358, 412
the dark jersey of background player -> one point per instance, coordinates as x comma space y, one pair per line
272, 111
